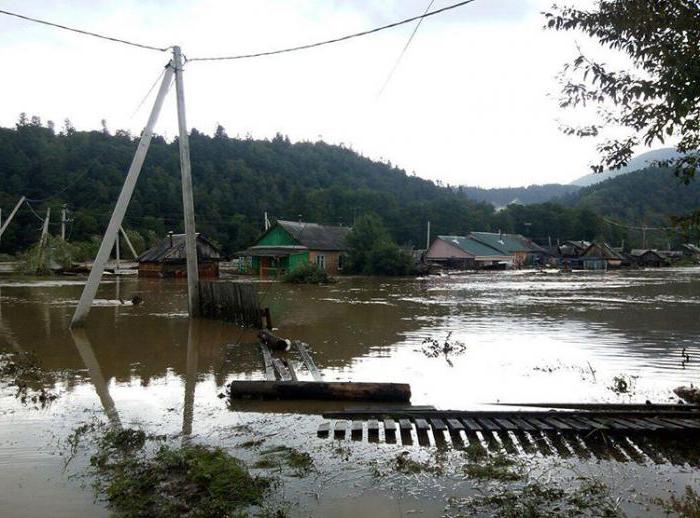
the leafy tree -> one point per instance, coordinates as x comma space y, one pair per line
373, 252
659, 97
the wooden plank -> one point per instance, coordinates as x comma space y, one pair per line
522, 424
356, 430
267, 361
610, 423
455, 425
390, 430
685, 423
559, 425
575, 424
472, 425
421, 425
323, 429
389, 425
282, 370
438, 425
539, 424
372, 430
308, 361
632, 424
593, 424
505, 423
405, 425
292, 371
336, 390
339, 430
488, 424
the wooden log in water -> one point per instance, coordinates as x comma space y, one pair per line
267, 361
348, 391
273, 341
688, 394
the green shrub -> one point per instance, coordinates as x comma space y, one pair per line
308, 273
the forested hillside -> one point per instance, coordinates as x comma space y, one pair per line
503, 196
235, 182
647, 197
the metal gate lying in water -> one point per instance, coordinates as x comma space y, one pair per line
640, 434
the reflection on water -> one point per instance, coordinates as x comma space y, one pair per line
528, 337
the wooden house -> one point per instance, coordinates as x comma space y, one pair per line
690, 251
169, 259
288, 244
601, 256
522, 250
465, 253
647, 258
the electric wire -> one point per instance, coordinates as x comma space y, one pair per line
334, 40
86, 33
631, 227
403, 51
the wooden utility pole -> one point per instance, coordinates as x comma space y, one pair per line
115, 221
187, 195
12, 215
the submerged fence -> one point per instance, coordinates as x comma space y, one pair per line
230, 301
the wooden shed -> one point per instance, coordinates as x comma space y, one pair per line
642, 257
169, 259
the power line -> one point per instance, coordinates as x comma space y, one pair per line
631, 227
86, 33
334, 40
403, 51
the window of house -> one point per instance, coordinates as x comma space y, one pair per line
341, 261
321, 261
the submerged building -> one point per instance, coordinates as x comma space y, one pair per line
288, 244
169, 259
465, 253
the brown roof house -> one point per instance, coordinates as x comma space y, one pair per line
168, 258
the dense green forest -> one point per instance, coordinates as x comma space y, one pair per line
503, 196
236, 181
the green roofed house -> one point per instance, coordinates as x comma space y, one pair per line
521, 249
466, 253
288, 244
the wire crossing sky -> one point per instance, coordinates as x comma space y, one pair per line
257, 54
472, 102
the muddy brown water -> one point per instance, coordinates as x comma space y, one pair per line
529, 337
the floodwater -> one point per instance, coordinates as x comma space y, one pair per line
529, 337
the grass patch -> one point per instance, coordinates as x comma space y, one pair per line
277, 457
191, 480
403, 463
308, 273
588, 498
499, 467
686, 506
24, 371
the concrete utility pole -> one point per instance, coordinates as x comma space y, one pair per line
12, 215
427, 241
0, 220
115, 221
117, 253
187, 195
128, 243
63, 223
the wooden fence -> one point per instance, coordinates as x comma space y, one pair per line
230, 301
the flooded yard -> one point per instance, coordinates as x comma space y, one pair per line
528, 337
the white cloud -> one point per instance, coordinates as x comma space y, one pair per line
467, 105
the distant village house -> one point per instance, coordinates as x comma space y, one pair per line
462, 252
288, 244
169, 259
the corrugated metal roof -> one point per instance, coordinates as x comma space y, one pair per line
317, 237
164, 252
472, 246
506, 243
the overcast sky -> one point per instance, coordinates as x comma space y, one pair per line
470, 103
